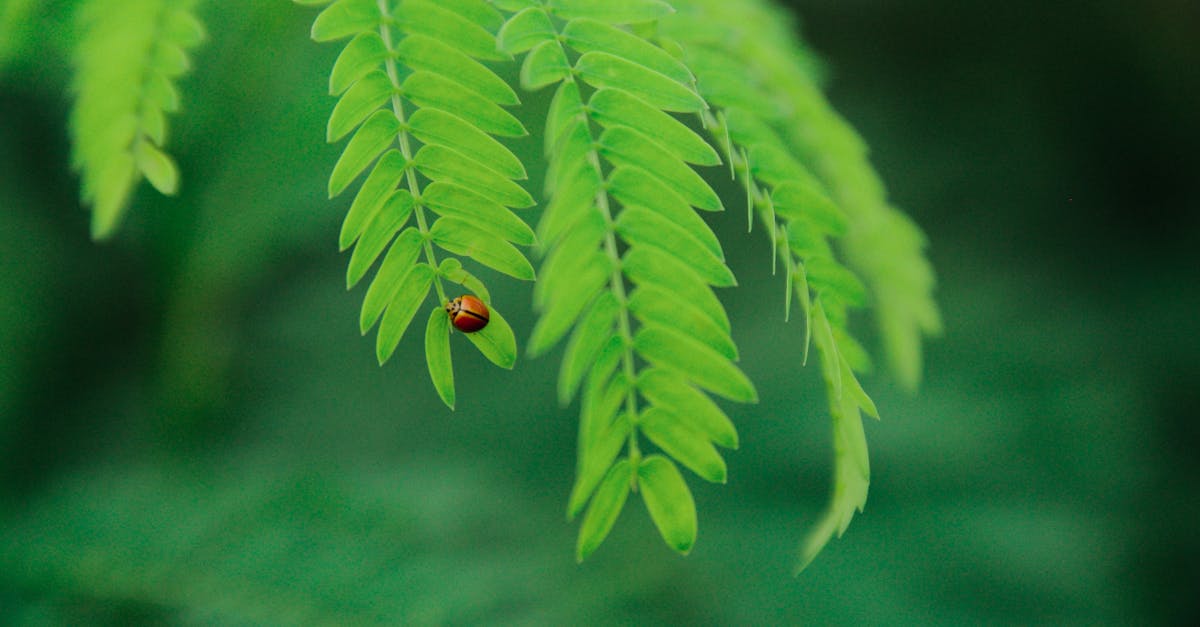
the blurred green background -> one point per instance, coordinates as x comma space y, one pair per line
192, 431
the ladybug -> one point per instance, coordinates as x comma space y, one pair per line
467, 313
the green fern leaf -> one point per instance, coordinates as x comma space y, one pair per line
806, 175
422, 113
622, 212
130, 54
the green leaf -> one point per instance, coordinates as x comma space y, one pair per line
667, 388
545, 65
432, 90
515, 5
462, 238
613, 107
575, 251
432, 126
797, 199
452, 269
496, 341
425, 18
525, 30
451, 200
477, 11
396, 266
159, 169
700, 364
423, 53
669, 502
379, 231
400, 310
585, 35
611, 11
345, 18
437, 355
375, 191
111, 194
656, 306
595, 461
688, 446
574, 200
589, 336
566, 110
449, 166
566, 304
806, 240
634, 186
604, 509
600, 69
364, 97
360, 57
372, 138
571, 163
645, 265
625, 146
827, 275
642, 226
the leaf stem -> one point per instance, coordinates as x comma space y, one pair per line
414, 187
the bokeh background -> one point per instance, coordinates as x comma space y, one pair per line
192, 430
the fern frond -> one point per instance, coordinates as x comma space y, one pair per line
628, 265
810, 187
130, 55
423, 114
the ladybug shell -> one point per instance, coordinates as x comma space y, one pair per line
467, 313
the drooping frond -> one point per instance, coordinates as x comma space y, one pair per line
628, 263
130, 55
807, 177
423, 112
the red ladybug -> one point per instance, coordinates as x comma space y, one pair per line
467, 313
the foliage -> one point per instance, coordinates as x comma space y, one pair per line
130, 54
628, 265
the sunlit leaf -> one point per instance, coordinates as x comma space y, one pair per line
372, 138
601, 69
463, 238
611, 11
345, 18
669, 502
378, 232
614, 107
437, 355
496, 340
452, 167
395, 267
363, 98
360, 57
405, 302
645, 227
545, 65
440, 128
525, 30
452, 200
684, 444
623, 145
426, 18
424, 53
593, 330
700, 364
603, 510
668, 388
432, 90
588, 35
379, 186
